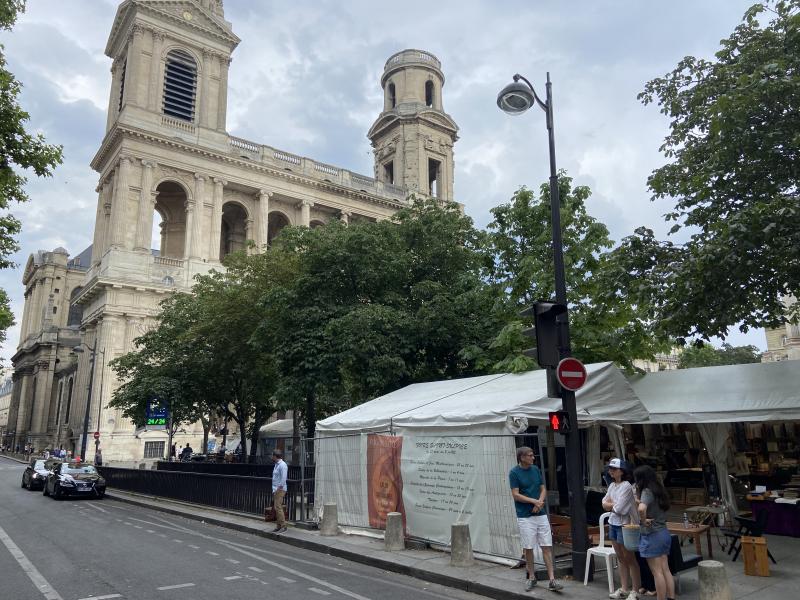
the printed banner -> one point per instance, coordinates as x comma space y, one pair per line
384, 479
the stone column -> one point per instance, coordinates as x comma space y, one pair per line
23, 409
144, 225
305, 212
263, 217
113, 100
118, 208
249, 234
97, 251
133, 71
344, 216
44, 389
224, 65
204, 104
155, 71
197, 218
187, 236
216, 218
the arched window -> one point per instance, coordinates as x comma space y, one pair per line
392, 96
75, 310
429, 93
69, 401
180, 85
122, 85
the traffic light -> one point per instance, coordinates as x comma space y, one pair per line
546, 331
560, 422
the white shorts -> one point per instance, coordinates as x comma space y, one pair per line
535, 531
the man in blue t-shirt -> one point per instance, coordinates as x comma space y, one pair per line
530, 501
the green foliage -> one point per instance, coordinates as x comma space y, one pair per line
605, 325
376, 306
734, 152
705, 355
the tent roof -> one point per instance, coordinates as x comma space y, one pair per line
607, 396
731, 393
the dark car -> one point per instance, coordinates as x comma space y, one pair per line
36, 473
74, 479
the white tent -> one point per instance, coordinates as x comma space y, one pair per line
488, 402
713, 397
441, 451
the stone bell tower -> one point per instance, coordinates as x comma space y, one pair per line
413, 137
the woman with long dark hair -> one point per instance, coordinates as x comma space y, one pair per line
655, 540
620, 501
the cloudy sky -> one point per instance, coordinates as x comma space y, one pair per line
306, 79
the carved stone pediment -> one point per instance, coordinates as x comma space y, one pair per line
187, 14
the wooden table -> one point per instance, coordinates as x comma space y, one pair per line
694, 531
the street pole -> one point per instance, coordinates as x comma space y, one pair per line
100, 403
516, 99
85, 434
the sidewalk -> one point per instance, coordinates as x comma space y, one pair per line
487, 579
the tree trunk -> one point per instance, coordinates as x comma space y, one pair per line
206, 427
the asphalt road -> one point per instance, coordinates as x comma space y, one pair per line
82, 549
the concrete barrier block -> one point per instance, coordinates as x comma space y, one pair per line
714, 584
460, 545
394, 539
330, 520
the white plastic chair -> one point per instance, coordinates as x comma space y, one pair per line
602, 550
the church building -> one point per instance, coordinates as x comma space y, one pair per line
167, 159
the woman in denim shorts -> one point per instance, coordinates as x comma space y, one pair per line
655, 540
621, 502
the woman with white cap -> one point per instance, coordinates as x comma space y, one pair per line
620, 500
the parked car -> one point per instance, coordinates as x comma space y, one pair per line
74, 479
36, 473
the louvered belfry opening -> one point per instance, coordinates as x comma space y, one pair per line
180, 85
122, 86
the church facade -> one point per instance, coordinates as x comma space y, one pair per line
167, 159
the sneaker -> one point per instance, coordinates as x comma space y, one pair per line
282, 529
555, 586
633, 595
530, 584
620, 593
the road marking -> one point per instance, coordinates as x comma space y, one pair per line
150, 531
107, 597
287, 580
162, 535
212, 553
299, 574
232, 577
175, 587
178, 541
128, 523
138, 526
193, 547
32, 572
232, 560
319, 591
256, 569
102, 510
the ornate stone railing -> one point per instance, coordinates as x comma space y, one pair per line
168, 262
313, 169
412, 56
177, 124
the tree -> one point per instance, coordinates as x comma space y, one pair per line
604, 324
18, 150
734, 153
377, 306
706, 355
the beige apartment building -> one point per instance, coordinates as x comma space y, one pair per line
783, 343
167, 159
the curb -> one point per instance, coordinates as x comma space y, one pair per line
372, 561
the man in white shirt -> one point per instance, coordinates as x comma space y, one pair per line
279, 473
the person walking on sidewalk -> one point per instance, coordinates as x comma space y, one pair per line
279, 473
530, 501
620, 501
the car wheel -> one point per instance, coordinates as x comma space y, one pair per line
56, 492
30, 486
100, 495
23, 482
44, 490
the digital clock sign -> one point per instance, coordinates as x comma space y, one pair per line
156, 414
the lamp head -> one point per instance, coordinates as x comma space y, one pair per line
77, 349
516, 98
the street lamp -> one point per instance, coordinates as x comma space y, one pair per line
515, 99
93, 351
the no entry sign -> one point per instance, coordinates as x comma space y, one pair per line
571, 374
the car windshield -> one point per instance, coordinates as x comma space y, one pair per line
39, 464
76, 469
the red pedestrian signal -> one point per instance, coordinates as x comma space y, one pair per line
559, 421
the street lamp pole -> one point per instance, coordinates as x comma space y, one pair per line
85, 434
515, 99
